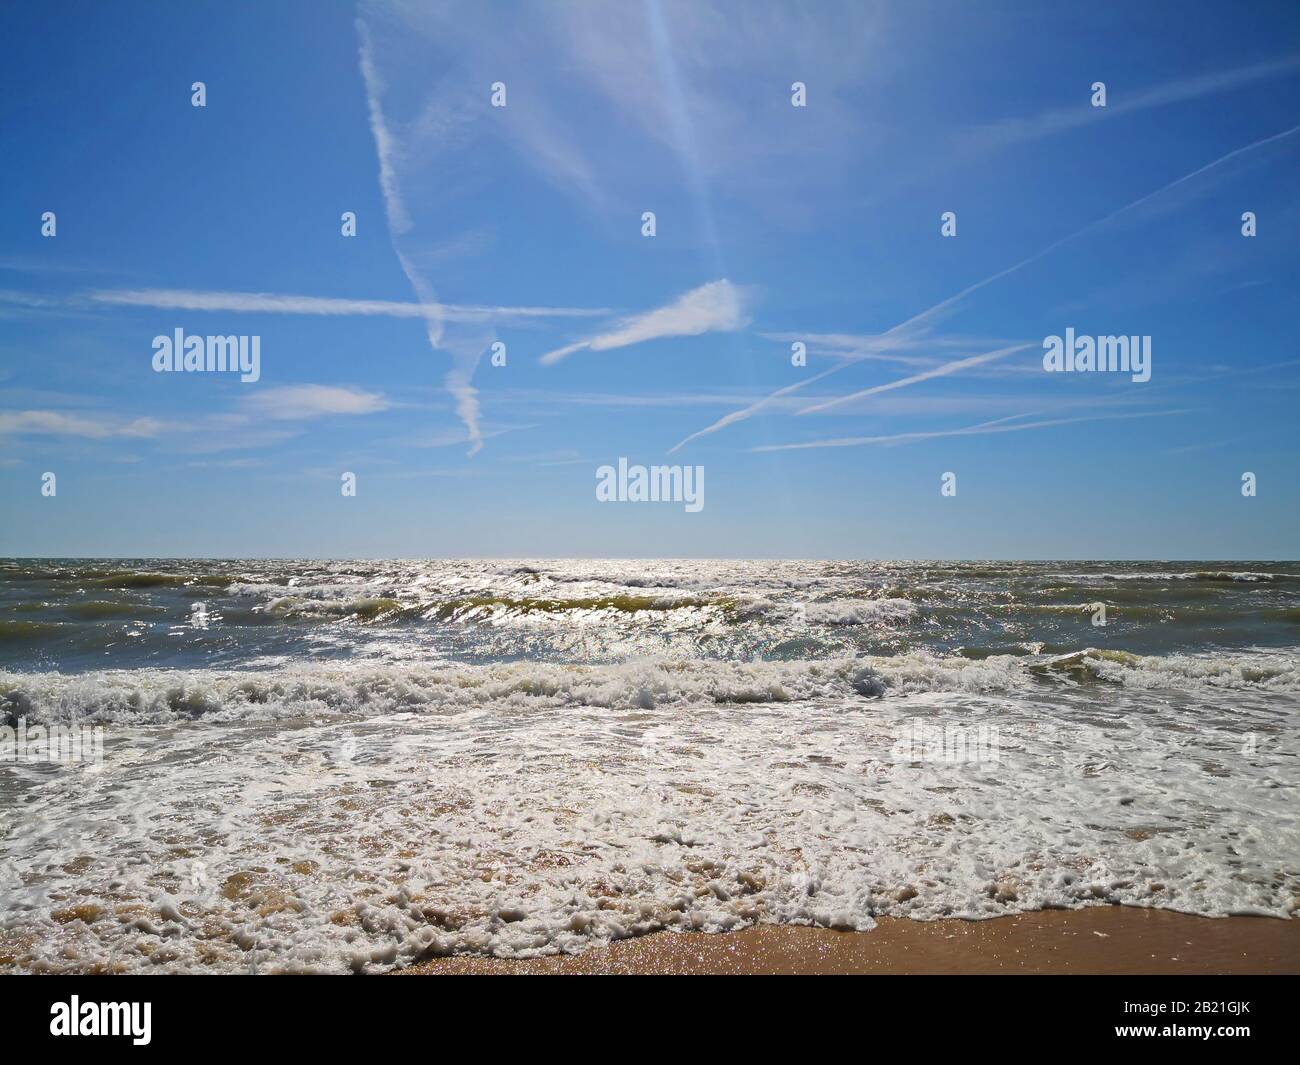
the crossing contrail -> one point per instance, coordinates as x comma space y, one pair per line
951, 301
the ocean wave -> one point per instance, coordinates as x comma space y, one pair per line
1261, 672
21, 632
610, 610
1209, 576
132, 579
310, 603
355, 765
519, 810
296, 607
483, 607
859, 612
160, 695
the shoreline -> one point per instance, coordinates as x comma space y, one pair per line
1116, 940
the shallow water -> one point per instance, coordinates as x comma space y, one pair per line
353, 765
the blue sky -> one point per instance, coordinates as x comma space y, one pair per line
774, 224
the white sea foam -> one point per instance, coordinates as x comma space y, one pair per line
410, 758
859, 612
351, 817
142, 696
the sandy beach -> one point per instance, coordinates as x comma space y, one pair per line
1116, 940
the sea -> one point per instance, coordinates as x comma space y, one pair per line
353, 766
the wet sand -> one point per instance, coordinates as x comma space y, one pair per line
1113, 939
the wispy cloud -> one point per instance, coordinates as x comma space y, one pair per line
300, 402
210, 432
269, 303
1001, 425
31, 300
452, 437
31, 264
666, 75
60, 423
17, 304
716, 307
228, 464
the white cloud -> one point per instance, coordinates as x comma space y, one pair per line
58, 423
212, 432
715, 307
297, 402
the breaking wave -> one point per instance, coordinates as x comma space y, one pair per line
158, 696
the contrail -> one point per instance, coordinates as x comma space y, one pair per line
742, 415
939, 371
755, 407
1012, 130
276, 303
998, 426
398, 220
457, 379
1103, 221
